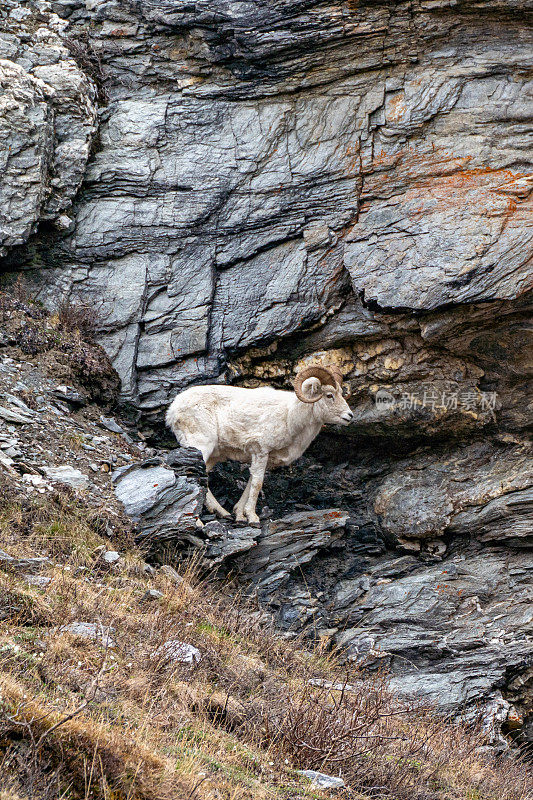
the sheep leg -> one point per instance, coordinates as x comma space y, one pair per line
212, 504
238, 508
214, 507
257, 475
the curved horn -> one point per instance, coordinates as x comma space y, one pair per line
322, 373
337, 374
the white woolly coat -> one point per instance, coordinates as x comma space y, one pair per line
239, 423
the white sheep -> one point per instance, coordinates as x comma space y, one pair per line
262, 427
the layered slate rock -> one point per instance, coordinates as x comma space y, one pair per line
261, 166
47, 122
478, 483
454, 633
164, 497
278, 183
224, 540
285, 544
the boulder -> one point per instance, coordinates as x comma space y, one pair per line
164, 497
47, 123
69, 475
321, 781
174, 650
31, 564
91, 630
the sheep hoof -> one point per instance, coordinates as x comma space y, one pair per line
239, 517
254, 520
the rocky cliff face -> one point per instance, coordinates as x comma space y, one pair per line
47, 119
276, 182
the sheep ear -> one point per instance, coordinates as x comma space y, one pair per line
311, 390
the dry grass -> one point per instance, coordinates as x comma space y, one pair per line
61, 521
79, 719
88, 61
78, 318
63, 341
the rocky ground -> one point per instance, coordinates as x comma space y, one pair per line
122, 678
449, 617
424, 572
230, 191
52, 432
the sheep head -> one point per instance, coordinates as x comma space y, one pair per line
323, 385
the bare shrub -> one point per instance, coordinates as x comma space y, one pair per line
380, 745
75, 316
136, 723
88, 60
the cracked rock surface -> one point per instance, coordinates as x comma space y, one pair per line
274, 183
260, 167
48, 118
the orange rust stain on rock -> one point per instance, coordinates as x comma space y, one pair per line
444, 176
473, 178
396, 108
466, 186
353, 159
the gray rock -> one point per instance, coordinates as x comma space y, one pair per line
164, 501
19, 418
113, 426
152, 594
46, 126
7, 442
71, 395
175, 578
140, 489
41, 581
6, 462
482, 489
174, 650
349, 591
321, 781
111, 556
287, 543
69, 475
35, 480
505, 519
172, 574
448, 632
91, 630
110, 424
224, 541
23, 564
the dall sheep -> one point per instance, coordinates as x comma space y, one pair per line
263, 427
